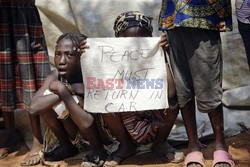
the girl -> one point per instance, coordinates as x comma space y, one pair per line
158, 123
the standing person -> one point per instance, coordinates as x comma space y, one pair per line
243, 16
193, 28
24, 66
65, 84
142, 127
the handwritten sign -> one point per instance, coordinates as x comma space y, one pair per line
124, 74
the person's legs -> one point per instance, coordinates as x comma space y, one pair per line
105, 139
216, 119
70, 127
206, 69
181, 50
12, 137
119, 131
169, 115
33, 157
221, 156
97, 154
66, 148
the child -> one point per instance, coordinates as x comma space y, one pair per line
65, 84
122, 125
196, 61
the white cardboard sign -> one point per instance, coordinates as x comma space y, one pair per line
124, 74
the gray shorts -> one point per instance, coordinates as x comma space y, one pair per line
196, 61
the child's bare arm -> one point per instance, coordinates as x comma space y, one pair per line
81, 118
41, 102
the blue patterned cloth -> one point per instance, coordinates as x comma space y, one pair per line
204, 14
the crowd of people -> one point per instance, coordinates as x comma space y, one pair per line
190, 37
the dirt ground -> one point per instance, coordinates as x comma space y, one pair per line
239, 147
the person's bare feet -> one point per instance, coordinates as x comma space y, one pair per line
11, 143
120, 154
33, 157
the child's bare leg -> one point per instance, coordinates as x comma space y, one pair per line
37, 134
189, 118
66, 148
160, 144
70, 127
97, 152
12, 138
102, 134
170, 114
216, 119
119, 131
33, 157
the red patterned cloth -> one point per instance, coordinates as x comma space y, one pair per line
142, 126
24, 61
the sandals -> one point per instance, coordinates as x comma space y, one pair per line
194, 157
32, 159
4, 152
221, 156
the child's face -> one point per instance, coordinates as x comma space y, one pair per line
66, 59
136, 32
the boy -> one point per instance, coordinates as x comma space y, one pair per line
65, 84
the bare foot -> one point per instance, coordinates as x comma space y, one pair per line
33, 157
194, 165
120, 154
12, 143
168, 151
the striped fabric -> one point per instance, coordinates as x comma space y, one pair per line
142, 127
24, 62
243, 10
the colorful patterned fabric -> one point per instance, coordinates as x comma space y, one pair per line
142, 126
24, 62
204, 14
132, 19
243, 10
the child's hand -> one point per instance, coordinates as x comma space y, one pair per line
163, 42
83, 46
58, 88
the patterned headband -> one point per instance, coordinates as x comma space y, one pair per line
132, 19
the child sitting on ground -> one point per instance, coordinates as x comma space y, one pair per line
122, 125
60, 102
